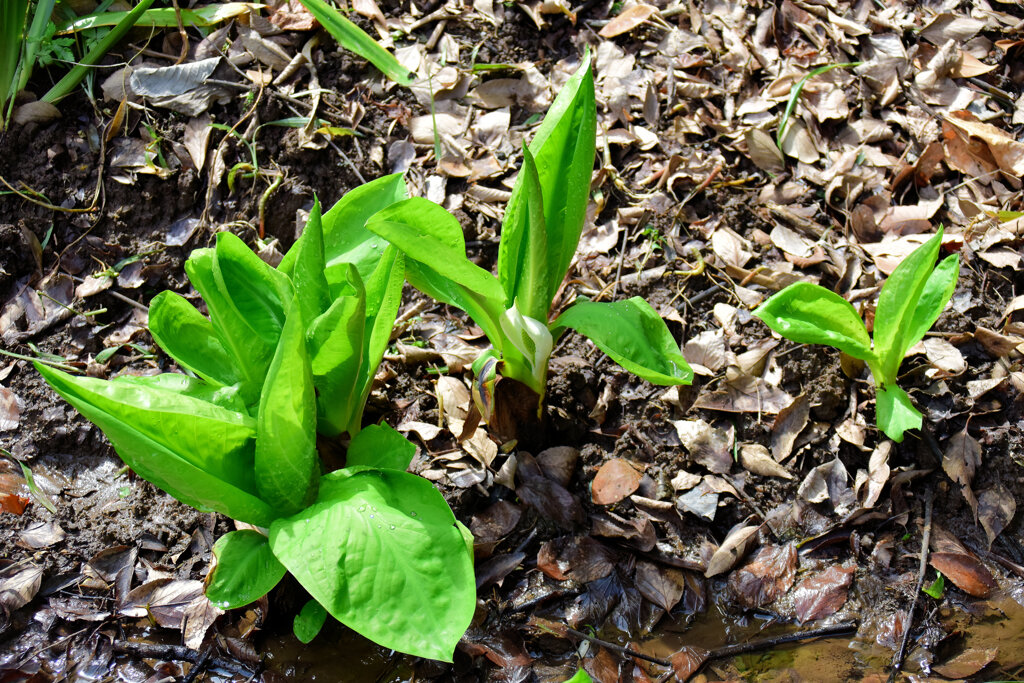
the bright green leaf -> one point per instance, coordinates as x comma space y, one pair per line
380, 550
309, 621
580, 676
633, 335
245, 569
380, 446
198, 452
936, 587
190, 338
225, 397
257, 292
894, 412
287, 465
936, 294
308, 273
563, 149
164, 17
522, 252
810, 314
897, 305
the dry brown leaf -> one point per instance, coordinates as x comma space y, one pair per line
996, 508
736, 544
707, 445
614, 481
756, 458
628, 19
731, 248
10, 409
1007, 152
788, 424
661, 585
960, 460
763, 151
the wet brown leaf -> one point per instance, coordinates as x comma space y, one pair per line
823, 594
688, 661
960, 565
602, 667
580, 558
41, 535
661, 585
492, 525
558, 463
638, 532
614, 481
996, 508
967, 663
19, 588
551, 500
767, 576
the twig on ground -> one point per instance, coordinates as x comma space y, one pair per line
897, 660
179, 653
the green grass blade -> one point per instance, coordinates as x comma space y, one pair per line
37, 30
797, 89
353, 38
162, 17
82, 69
12, 26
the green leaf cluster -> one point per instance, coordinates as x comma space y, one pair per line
539, 236
910, 302
288, 355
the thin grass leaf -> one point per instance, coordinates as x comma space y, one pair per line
33, 39
84, 68
163, 17
353, 38
12, 26
797, 89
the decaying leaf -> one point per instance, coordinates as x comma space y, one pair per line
822, 594
768, 575
967, 663
736, 544
663, 586
960, 565
996, 508
688, 661
960, 460
707, 445
580, 558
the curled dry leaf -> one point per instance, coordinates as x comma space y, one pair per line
1007, 152
788, 424
628, 19
614, 481
767, 576
755, 458
823, 594
736, 544
707, 445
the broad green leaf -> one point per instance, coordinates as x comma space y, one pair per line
308, 273
894, 412
245, 569
287, 465
563, 149
937, 291
383, 298
427, 233
309, 621
257, 292
436, 263
380, 550
380, 446
346, 240
225, 397
336, 341
252, 355
633, 335
190, 338
810, 314
353, 38
523, 250
897, 303
196, 451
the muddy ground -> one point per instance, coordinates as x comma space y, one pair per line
823, 550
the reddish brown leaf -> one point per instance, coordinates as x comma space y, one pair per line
960, 565
767, 576
966, 663
614, 481
575, 557
558, 463
492, 525
823, 594
504, 648
603, 667
688, 661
